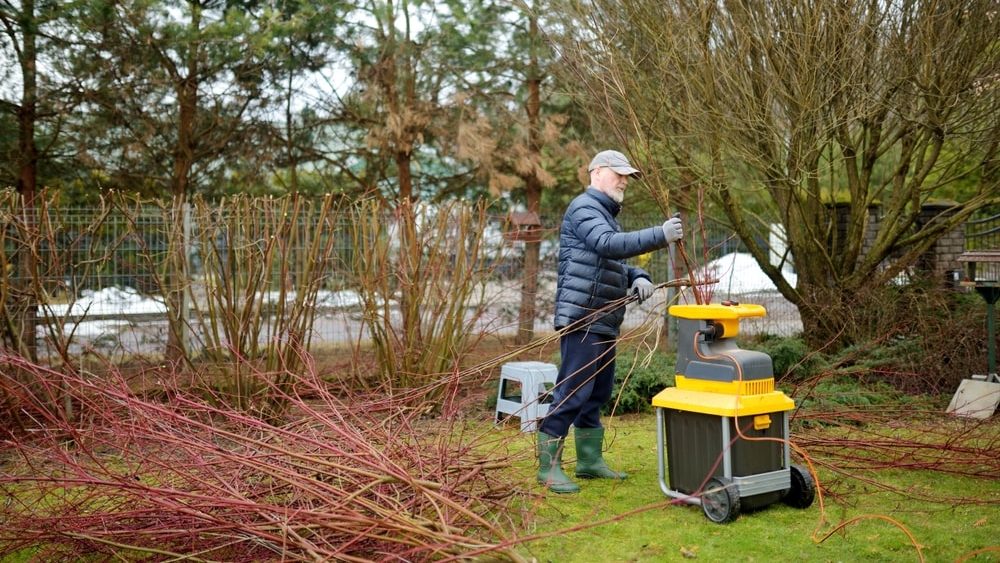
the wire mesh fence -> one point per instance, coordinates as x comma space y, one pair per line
983, 231
124, 278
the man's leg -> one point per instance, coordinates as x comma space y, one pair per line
582, 355
603, 367
574, 386
589, 434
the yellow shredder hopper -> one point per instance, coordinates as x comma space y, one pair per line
722, 431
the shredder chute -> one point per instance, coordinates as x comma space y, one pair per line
722, 430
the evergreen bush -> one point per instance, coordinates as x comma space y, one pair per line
790, 356
637, 382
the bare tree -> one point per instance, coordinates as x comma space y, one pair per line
805, 113
517, 141
174, 90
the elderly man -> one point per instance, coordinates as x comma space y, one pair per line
592, 274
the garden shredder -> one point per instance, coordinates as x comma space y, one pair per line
722, 430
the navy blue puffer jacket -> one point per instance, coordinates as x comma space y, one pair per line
591, 268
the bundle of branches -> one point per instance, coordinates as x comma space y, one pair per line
901, 436
853, 423
181, 477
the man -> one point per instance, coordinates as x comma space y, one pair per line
592, 274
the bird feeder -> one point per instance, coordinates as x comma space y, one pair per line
979, 396
524, 226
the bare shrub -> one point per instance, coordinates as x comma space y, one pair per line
421, 273
916, 336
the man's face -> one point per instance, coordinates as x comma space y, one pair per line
610, 182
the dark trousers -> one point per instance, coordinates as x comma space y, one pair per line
586, 378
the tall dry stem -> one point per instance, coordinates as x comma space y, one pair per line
69, 251
421, 272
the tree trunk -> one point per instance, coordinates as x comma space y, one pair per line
293, 161
176, 283
176, 276
408, 271
27, 181
837, 314
533, 195
403, 159
529, 293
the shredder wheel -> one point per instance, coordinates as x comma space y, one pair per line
803, 489
721, 501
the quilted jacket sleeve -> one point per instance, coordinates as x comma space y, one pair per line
600, 236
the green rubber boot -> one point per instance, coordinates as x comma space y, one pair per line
550, 471
589, 463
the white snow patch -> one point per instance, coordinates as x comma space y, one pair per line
738, 273
107, 302
324, 298
123, 301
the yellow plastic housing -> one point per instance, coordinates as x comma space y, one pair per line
726, 315
720, 404
739, 387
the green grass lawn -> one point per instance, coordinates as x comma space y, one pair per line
623, 531
949, 516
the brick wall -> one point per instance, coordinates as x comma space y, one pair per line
942, 258
939, 261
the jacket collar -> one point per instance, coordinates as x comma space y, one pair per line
604, 199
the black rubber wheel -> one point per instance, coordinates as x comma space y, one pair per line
721, 501
803, 489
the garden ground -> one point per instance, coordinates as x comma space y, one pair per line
950, 517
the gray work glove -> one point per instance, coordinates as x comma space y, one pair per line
673, 229
643, 288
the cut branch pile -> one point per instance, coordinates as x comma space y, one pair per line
346, 480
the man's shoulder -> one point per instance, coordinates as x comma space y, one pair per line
585, 200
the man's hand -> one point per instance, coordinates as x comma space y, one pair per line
673, 229
643, 288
